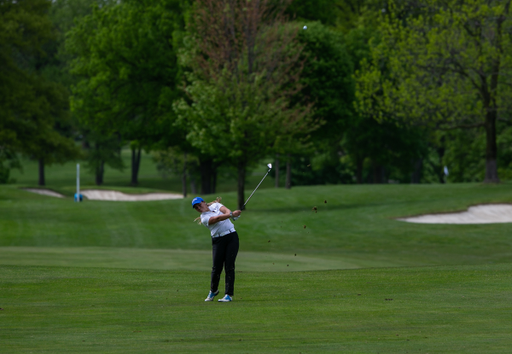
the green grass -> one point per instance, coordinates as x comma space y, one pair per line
448, 309
171, 259
355, 226
63, 177
131, 277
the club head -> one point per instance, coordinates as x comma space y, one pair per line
269, 166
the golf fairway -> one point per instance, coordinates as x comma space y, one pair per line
447, 309
172, 259
131, 277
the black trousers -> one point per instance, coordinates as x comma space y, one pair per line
224, 252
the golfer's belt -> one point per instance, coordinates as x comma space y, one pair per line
224, 233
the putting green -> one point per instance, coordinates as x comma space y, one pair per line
196, 260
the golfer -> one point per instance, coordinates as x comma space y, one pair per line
225, 243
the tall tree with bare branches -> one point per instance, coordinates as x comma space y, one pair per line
245, 65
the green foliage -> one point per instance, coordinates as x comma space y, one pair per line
30, 104
446, 63
349, 143
325, 11
244, 70
343, 15
235, 121
54, 143
126, 59
464, 155
387, 146
174, 160
327, 80
504, 140
66, 13
124, 55
357, 42
324, 167
11, 160
329, 87
102, 150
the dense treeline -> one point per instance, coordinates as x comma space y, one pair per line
332, 91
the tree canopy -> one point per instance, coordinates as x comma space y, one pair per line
343, 91
30, 103
125, 56
442, 63
244, 69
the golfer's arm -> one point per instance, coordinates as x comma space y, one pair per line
226, 213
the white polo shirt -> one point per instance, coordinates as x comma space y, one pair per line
222, 227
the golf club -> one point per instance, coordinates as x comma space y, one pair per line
269, 168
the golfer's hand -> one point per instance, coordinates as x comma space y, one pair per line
236, 214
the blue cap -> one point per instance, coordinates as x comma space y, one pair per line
197, 200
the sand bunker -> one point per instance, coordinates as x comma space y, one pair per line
122, 197
45, 192
480, 214
112, 195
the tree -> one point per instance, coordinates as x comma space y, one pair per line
328, 86
504, 141
384, 150
55, 143
51, 66
464, 154
126, 61
325, 11
444, 63
29, 102
244, 68
102, 150
177, 161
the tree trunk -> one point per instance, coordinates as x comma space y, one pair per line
193, 185
378, 174
491, 152
241, 185
491, 105
99, 173
416, 174
359, 170
440, 152
214, 179
41, 173
205, 166
135, 165
276, 170
289, 172
184, 175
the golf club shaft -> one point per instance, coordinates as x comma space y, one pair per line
255, 188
